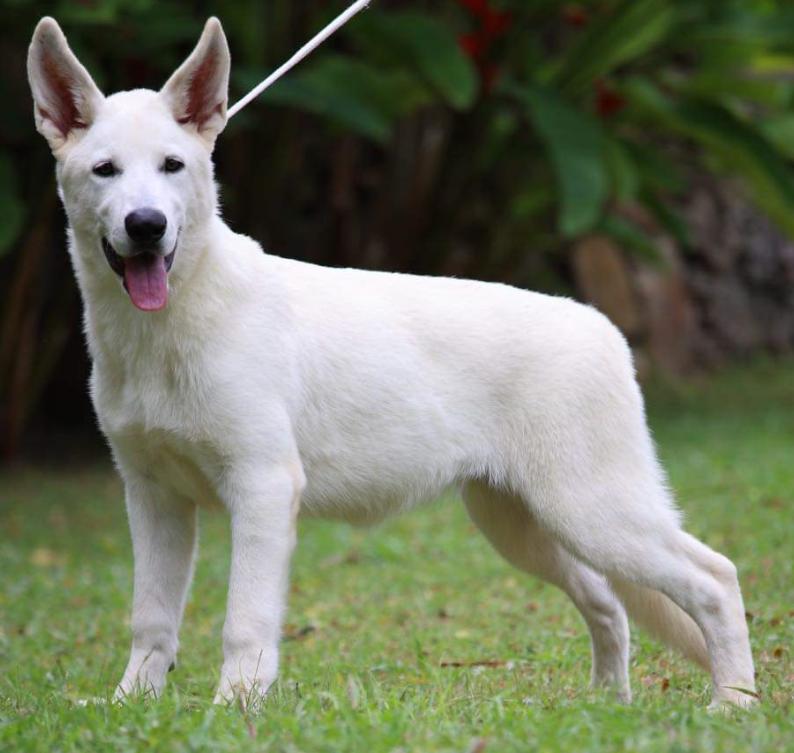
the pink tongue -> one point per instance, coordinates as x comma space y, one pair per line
146, 281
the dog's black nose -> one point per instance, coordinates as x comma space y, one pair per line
145, 226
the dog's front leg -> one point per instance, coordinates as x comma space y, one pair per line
163, 529
263, 509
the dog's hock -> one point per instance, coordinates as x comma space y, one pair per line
197, 92
66, 99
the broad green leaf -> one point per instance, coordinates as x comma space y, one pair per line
575, 145
623, 172
347, 111
772, 65
249, 23
668, 217
12, 210
496, 138
734, 86
747, 151
741, 146
731, 43
530, 202
348, 92
614, 38
655, 169
763, 30
630, 236
88, 13
780, 131
422, 44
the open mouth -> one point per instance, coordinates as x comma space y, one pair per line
145, 276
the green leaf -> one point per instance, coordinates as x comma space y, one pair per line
780, 131
747, 151
736, 85
12, 210
655, 168
623, 172
741, 147
668, 218
576, 148
614, 38
348, 92
421, 44
630, 237
762, 30
530, 202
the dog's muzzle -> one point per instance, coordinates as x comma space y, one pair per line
144, 275
116, 261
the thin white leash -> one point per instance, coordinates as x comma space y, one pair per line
309, 47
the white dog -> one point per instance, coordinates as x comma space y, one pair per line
227, 377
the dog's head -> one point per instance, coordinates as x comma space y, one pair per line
134, 169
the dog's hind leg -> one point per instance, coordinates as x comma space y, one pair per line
600, 491
658, 555
514, 533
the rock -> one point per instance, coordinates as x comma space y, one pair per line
672, 333
602, 276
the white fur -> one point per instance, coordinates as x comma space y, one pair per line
267, 385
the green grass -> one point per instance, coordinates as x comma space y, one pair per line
375, 615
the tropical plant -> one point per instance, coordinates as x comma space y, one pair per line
471, 137
618, 101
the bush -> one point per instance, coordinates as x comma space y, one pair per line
475, 137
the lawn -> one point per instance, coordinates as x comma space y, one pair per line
413, 636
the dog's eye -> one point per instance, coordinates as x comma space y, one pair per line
172, 165
105, 169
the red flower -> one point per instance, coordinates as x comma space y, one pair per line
477, 7
496, 23
575, 15
473, 45
491, 24
607, 100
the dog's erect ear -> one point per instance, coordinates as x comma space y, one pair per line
198, 90
65, 97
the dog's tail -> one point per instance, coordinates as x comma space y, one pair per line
663, 619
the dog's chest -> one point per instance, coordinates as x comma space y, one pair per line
187, 468
142, 398
162, 414
167, 438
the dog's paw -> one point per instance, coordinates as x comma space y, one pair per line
246, 677
731, 698
144, 677
246, 697
136, 690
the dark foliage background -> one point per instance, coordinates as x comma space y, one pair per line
550, 144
